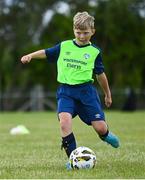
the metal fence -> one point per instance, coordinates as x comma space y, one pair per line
36, 99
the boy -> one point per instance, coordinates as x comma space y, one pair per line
76, 61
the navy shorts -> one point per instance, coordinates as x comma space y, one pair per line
81, 100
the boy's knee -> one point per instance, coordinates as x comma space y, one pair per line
64, 125
65, 122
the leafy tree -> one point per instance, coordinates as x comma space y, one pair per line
119, 32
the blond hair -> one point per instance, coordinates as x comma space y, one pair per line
82, 20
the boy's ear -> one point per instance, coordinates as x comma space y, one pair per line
74, 29
93, 31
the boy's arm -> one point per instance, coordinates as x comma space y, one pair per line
102, 79
37, 54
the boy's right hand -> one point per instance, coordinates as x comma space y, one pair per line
26, 59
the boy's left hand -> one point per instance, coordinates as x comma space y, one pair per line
108, 101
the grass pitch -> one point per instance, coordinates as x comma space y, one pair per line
38, 155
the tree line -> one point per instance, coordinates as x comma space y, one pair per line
120, 33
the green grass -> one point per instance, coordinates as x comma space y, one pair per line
38, 154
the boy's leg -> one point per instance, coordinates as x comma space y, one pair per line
103, 132
68, 139
66, 111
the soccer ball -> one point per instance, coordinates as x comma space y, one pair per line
82, 158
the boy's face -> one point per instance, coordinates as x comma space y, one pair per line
83, 36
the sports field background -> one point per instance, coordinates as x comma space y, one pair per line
38, 154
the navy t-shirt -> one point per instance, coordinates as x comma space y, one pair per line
52, 55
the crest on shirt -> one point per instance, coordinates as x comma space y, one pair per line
86, 56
